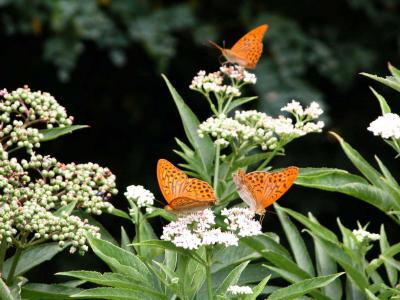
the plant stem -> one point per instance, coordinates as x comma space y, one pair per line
14, 264
3, 250
216, 170
208, 275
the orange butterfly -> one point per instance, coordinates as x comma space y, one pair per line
260, 189
247, 51
181, 192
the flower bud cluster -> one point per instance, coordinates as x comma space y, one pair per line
199, 229
21, 109
362, 235
32, 190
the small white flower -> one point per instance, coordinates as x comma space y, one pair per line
240, 290
314, 110
239, 73
386, 126
140, 195
363, 235
241, 221
294, 107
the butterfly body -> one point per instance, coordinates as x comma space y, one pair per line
181, 192
260, 189
247, 50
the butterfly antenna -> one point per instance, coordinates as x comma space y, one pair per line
160, 202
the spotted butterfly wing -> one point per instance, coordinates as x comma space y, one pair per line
261, 189
181, 192
248, 49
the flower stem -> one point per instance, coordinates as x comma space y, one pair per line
208, 275
3, 250
216, 170
14, 264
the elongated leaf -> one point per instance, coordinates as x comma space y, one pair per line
121, 261
119, 213
204, 146
284, 263
125, 241
112, 294
231, 279
327, 266
146, 233
112, 280
313, 225
67, 209
33, 257
53, 133
40, 291
384, 245
5, 292
388, 81
258, 289
169, 278
262, 242
296, 242
249, 160
394, 71
237, 102
385, 108
302, 288
370, 295
169, 246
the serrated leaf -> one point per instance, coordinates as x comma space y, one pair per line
112, 294
258, 289
41, 291
390, 270
231, 279
388, 81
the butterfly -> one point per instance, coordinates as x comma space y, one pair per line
247, 51
260, 189
181, 192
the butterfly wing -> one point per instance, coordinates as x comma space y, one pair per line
243, 190
249, 47
171, 180
182, 192
266, 187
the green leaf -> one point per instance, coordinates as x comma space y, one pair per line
160, 212
385, 108
122, 261
67, 209
146, 233
394, 71
112, 294
237, 102
169, 278
53, 133
359, 162
370, 295
346, 183
5, 293
119, 213
285, 263
384, 245
258, 289
169, 246
388, 81
231, 279
263, 241
204, 146
33, 257
296, 242
327, 266
313, 225
303, 287
112, 280
125, 241
40, 291
249, 160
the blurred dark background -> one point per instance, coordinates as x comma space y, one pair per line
102, 60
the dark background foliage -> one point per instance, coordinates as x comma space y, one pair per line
102, 60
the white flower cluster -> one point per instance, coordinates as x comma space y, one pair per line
21, 109
386, 126
199, 229
213, 82
239, 290
363, 235
261, 129
239, 73
141, 196
241, 221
